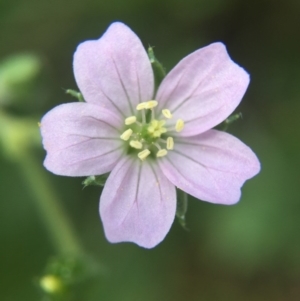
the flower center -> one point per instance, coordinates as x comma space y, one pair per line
147, 135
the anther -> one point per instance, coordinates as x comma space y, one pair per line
141, 106
151, 104
126, 135
170, 143
179, 125
144, 154
130, 120
136, 144
167, 113
161, 153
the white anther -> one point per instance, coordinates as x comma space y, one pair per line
144, 154
170, 143
161, 153
167, 113
179, 125
130, 120
151, 104
136, 144
126, 135
141, 106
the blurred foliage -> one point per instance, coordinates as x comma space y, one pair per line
17, 74
250, 251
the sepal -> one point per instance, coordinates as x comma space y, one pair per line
158, 69
75, 94
182, 207
95, 180
232, 118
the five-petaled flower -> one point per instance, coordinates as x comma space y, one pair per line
150, 143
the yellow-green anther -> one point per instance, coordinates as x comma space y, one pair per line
167, 113
126, 135
136, 144
144, 154
161, 153
170, 143
130, 120
141, 106
151, 104
179, 125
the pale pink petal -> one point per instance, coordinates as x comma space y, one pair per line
203, 89
137, 204
81, 139
114, 71
212, 166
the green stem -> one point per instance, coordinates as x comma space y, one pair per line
48, 205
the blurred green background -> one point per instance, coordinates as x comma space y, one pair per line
250, 251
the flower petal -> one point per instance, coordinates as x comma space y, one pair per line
203, 89
212, 166
137, 204
114, 71
81, 139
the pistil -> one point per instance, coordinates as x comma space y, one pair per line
151, 132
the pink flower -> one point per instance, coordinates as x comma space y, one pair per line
150, 143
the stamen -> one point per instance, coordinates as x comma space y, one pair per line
130, 120
143, 116
144, 154
136, 144
151, 104
161, 153
141, 106
152, 114
126, 135
170, 143
157, 145
167, 113
179, 125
